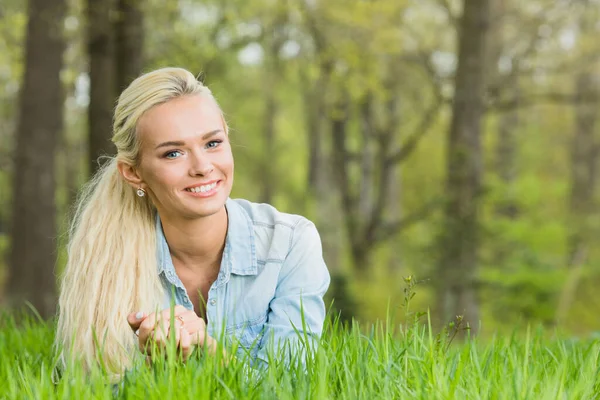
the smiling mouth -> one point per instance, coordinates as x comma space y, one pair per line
202, 188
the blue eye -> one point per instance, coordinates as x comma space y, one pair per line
172, 154
213, 143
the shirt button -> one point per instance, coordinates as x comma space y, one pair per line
213, 302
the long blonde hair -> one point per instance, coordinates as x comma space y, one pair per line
111, 268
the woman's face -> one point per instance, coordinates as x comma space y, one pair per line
186, 164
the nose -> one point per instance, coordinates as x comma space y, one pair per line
200, 164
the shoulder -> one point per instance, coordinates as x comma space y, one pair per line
277, 233
262, 214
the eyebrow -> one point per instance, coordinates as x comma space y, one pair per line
206, 136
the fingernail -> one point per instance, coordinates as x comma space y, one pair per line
139, 315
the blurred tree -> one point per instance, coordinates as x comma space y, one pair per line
504, 69
526, 74
389, 66
361, 112
585, 151
459, 239
315, 74
129, 28
275, 35
12, 27
33, 249
115, 47
101, 50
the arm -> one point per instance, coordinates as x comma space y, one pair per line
297, 310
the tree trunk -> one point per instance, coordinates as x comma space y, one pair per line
459, 241
506, 144
129, 28
102, 81
313, 109
584, 160
584, 165
394, 183
367, 162
506, 160
269, 158
395, 214
320, 183
33, 250
273, 75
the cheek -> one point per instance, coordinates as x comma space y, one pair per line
167, 179
227, 161
159, 177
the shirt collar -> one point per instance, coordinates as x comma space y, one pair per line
239, 255
162, 248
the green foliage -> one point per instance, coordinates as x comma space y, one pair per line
523, 259
3, 254
525, 294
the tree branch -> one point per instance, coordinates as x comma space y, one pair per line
542, 98
384, 137
339, 121
532, 34
422, 128
391, 228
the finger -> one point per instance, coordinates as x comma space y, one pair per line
175, 331
177, 310
185, 344
161, 330
152, 327
159, 338
158, 343
145, 330
135, 319
193, 325
199, 333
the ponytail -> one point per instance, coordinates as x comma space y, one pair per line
111, 271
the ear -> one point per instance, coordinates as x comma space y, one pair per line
130, 174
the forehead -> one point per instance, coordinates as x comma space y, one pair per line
178, 119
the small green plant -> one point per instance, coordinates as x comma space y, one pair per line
445, 338
411, 317
449, 332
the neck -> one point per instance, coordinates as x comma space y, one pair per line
198, 243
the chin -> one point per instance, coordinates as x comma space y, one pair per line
205, 210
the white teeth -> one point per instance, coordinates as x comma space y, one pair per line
203, 188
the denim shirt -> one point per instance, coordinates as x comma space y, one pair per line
272, 268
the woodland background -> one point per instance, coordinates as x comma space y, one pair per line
457, 141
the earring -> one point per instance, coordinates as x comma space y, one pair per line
141, 192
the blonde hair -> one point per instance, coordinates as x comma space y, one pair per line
111, 268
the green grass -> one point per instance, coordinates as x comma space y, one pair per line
353, 363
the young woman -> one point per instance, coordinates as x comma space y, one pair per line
156, 225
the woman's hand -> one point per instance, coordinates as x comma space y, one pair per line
190, 330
